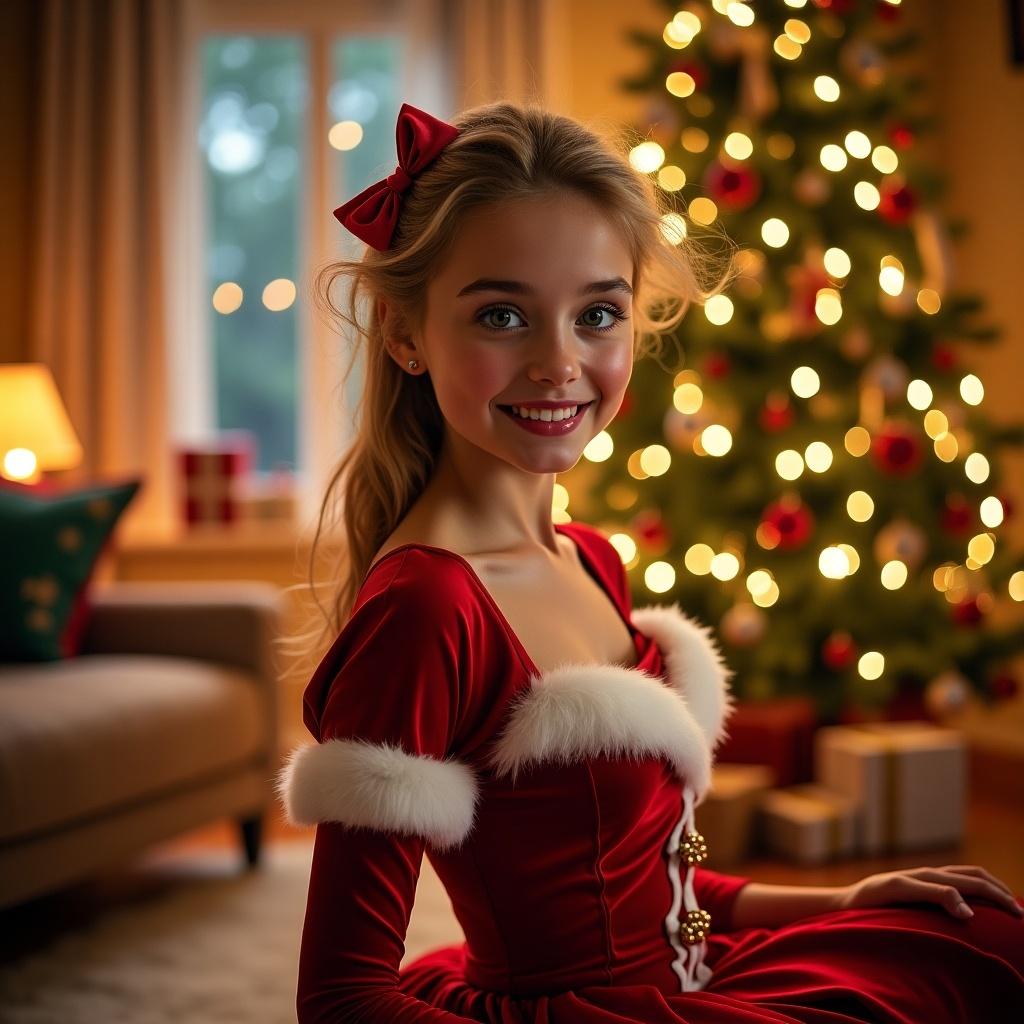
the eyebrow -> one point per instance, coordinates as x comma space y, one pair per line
492, 284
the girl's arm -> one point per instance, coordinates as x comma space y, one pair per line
759, 905
378, 784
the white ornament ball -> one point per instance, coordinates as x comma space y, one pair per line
743, 625
903, 540
947, 694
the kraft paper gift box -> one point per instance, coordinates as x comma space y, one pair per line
726, 817
907, 779
808, 824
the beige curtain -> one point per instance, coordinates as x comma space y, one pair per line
511, 49
106, 141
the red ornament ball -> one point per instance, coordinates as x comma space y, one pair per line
788, 520
734, 187
698, 72
901, 135
897, 201
1004, 686
777, 412
896, 449
967, 612
649, 528
717, 365
943, 356
839, 651
957, 515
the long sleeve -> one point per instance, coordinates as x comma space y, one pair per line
716, 893
379, 784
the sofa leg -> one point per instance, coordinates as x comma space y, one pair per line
252, 829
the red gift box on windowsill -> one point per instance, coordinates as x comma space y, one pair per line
213, 474
777, 733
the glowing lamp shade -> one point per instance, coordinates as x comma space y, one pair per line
35, 432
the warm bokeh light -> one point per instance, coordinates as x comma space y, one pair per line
789, 464
991, 512
227, 297
688, 397
818, 456
805, 381
647, 157
600, 447
718, 309
345, 135
837, 262
893, 574
857, 144
655, 460
857, 441
659, 577
826, 88
860, 507
833, 563
698, 559
702, 210
919, 394
871, 665
716, 439
775, 232
866, 196
971, 390
279, 294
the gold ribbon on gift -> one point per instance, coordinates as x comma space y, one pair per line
890, 782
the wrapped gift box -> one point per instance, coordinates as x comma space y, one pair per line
808, 824
777, 733
726, 816
907, 779
213, 477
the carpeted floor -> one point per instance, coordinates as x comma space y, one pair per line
195, 939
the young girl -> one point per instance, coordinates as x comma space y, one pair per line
492, 700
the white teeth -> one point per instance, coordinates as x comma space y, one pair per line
552, 415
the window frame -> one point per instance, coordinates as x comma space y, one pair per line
324, 421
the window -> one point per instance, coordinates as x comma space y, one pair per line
294, 113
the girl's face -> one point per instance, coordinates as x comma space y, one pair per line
533, 304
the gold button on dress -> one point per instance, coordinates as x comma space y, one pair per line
694, 848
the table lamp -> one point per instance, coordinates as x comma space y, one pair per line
35, 432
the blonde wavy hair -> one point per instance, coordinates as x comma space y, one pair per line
504, 151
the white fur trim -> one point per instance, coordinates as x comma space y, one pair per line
577, 711
378, 786
693, 665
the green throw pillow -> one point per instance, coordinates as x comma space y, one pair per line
52, 540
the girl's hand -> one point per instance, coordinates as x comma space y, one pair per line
947, 886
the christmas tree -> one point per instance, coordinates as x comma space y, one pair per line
817, 478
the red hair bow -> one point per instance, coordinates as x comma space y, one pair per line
373, 214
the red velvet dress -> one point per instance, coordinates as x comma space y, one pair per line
557, 808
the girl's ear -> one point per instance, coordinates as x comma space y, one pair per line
393, 334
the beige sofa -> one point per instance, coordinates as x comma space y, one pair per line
165, 722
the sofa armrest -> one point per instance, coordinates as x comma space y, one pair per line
232, 621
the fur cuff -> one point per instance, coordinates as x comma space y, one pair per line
380, 787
